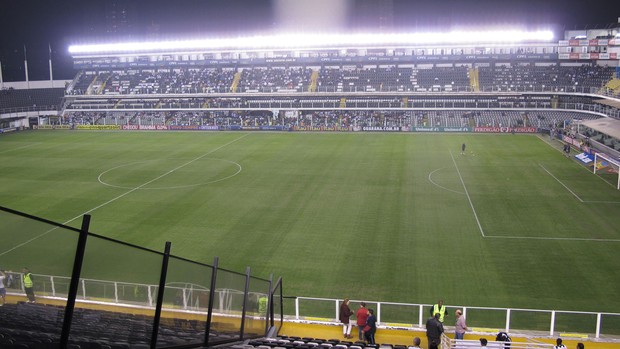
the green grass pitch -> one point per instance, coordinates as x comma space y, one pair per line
390, 217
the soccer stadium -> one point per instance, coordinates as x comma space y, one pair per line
234, 192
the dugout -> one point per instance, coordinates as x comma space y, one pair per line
603, 133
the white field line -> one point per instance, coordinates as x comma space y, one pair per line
564, 185
124, 194
550, 238
575, 195
430, 178
467, 194
585, 168
22, 147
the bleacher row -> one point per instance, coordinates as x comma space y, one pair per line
284, 342
39, 97
330, 119
38, 326
346, 79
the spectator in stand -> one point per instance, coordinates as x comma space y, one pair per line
345, 314
2, 287
371, 327
416, 343
580, 346
362, 317
461, 327
434, 329
558, 344
483, 343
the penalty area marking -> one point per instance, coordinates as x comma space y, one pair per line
585, 168
430, 178
239, 169
124, 194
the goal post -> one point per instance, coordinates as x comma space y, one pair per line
607, 167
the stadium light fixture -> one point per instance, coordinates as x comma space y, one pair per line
290, 41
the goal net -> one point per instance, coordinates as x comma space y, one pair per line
607, 168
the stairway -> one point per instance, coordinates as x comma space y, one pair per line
314, 78
235, 83
474, 79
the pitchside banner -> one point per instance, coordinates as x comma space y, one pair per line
381, 128
586, 158
8, 129
440, 129
505, 129
98, 127
53, 127
145, 127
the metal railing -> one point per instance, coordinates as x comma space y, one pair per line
406, 315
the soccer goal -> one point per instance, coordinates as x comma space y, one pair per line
607, 168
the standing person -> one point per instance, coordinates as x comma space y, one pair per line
28, 285
345, 314
440, 309
2, 288
362, 317
434, 329
460, 327
371, 327
463, 149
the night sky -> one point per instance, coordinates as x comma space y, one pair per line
37, 23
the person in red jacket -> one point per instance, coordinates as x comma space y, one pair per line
362, 316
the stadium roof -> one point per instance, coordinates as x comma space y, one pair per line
609, 102
607, 126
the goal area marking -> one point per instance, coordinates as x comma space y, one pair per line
532, 237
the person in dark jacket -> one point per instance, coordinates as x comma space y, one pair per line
434, 329
371, 327
345, 314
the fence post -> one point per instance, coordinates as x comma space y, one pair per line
75, 280
598, 325
160, 295
552, 327
337, 309
211, 300
246, 293
296, 308
420, 319
507, 320
378, 312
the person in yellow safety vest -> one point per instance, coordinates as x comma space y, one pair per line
262, 305
440, 309
28, 285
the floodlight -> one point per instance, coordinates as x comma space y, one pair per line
306, 40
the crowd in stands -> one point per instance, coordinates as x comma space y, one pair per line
331, 119
342, 79
274, 80
528, 77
